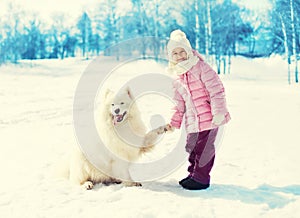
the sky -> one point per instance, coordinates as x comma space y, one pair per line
254, 4
45, 8
74, 7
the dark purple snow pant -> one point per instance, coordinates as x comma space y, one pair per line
201, 149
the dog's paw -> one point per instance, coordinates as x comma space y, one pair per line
169, 128
163, 129
160, 130
88, 185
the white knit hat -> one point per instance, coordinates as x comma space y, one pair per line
178, 39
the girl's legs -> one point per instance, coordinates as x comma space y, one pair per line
202, 154
192, 159
191, 166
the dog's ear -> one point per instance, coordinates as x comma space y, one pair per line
108, 93
129, 92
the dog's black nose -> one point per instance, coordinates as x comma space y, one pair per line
117, 111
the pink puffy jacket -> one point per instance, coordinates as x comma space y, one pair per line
199, 94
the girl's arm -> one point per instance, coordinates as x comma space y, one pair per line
179, 108
215, 89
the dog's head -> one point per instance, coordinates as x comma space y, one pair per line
120, 106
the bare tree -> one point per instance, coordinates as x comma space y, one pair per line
285, 13
294, 40
228, 28
84, 26
286, 47
11, 31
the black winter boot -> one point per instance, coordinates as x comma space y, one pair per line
181, 181
192, 184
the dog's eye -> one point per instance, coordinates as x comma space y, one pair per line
122, 102
112, 104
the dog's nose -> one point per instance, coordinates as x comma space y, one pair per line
117, 111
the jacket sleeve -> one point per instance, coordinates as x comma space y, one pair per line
179, 108
215, 89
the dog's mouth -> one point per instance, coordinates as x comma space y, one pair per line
117, 118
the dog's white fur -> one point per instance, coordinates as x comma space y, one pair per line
82, 172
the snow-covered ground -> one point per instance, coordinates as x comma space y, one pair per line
256, 172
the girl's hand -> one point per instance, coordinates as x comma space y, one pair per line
218, 119
164, 128
169, 128
152, 136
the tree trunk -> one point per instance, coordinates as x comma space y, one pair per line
286, 47
294, 41
156, 41
218, 63
229, 64
224, 64
208, 30
197, 27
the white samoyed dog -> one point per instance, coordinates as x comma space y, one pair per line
124, 135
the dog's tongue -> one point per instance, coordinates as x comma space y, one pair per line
117, 118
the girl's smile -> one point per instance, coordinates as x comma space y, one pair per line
179, 55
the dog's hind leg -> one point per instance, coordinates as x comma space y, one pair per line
79, 177
78, 174
120, 170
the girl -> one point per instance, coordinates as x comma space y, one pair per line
199, 96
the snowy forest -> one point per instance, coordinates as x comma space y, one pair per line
218, 29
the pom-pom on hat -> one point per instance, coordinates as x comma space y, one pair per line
178, 39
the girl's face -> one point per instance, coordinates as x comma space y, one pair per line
178, 55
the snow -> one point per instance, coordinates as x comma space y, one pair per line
255, 173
